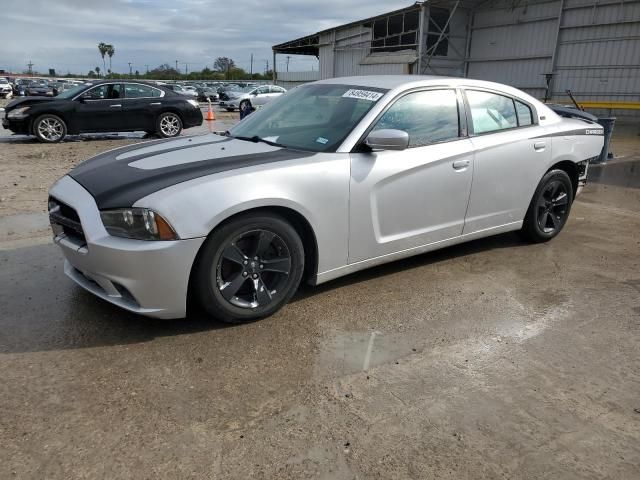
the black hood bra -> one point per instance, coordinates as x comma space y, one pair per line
114, 183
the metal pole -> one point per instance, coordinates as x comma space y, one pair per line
421, 37
274, 75
554, 56
252, 66
442, 34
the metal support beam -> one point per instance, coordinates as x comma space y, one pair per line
274, 74
556, 47
442, 34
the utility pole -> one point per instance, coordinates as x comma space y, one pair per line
267, 68
30, 65
177, 67
147, 67
186, 69
288, 57
130, 71
251, 66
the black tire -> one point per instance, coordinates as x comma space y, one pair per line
49, 128
229, 109
549, 208
168, 125
254, 288
244, 103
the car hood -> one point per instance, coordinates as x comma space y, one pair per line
25, 101
119, 178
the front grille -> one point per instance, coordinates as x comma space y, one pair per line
65, 219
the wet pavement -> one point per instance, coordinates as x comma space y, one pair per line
493, 359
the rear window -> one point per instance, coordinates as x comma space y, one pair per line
491, 112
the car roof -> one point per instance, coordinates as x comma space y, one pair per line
403, 82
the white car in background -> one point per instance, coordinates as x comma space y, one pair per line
6, 90
255, 97
183, 90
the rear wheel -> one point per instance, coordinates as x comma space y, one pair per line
249, 268
49, 128
549, 208
169, 125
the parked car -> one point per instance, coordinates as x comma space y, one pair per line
206, 93
36, 89
182, 90
333, 177
6, 90
104, 106
254, 97
225, 91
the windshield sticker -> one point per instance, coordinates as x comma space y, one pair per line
322, 140
363, 95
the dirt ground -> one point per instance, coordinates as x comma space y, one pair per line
28, 168
496, 359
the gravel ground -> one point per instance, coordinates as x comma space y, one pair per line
494, 359
28, 168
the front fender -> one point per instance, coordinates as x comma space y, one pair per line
317, 189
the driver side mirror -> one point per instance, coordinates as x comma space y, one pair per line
387, 139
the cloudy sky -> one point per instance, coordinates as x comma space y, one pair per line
64, 34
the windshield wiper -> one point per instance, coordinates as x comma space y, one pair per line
256, 139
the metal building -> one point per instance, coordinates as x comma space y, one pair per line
545, 47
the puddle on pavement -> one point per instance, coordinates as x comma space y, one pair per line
351, 352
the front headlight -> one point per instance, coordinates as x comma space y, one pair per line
194, 103
138, 224
18, 112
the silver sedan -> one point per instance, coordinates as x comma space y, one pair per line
333, 177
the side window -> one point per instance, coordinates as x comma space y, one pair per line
491, 112
524, 114
428, 117
136, 90
276, 90
104, 92
263, 90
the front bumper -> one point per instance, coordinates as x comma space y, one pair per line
146, 277
21, 126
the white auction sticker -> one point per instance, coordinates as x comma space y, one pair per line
362, 94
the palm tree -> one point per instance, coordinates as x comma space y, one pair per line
110, 51
98, 71
102, 47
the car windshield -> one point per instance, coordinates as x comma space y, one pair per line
316, 117
72, 92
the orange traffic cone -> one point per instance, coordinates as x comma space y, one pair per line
210, 115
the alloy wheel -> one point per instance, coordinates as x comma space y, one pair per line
170, 125
552, 206
253, 269
50, 129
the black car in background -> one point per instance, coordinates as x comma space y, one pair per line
103, 106
36, 89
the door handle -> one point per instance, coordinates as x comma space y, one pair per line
539, 146
156, 103
461, 164
115, 106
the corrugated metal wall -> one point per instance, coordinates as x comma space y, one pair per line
290, 80
592, 47
453, 64
342, 50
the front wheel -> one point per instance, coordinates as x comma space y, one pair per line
249, 268
549, 208
49, 128
169, 125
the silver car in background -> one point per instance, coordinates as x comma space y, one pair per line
252, 97
333, 177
